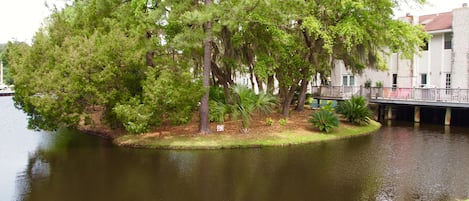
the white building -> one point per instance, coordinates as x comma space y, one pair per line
444, 62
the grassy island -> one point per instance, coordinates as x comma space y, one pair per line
297, 131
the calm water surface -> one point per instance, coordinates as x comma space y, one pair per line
401, 162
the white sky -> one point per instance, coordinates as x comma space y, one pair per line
20, 19
432, 7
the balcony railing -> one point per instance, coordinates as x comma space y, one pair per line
394, 93
340, 92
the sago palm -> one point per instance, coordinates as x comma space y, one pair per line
355, 110
246, 102
324, 120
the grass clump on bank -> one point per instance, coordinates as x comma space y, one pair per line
221, 141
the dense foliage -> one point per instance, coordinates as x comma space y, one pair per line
355, 110
7, 77
102, 55
245, 103
324, 120
139, 62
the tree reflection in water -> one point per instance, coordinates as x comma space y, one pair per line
399, 163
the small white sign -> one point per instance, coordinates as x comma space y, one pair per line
220, 128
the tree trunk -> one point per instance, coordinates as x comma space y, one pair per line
224, 78
282, 92
149, 58
287, 100
260, 84
270, 84
251, 77
204, 124
302, 97
248, 54
226, 89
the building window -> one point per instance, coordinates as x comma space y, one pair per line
448, 83
348, 80
424, 47
448, 80
423, 79
394, 80
448, 40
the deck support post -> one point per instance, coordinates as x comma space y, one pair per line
447, 130
416, 126
448, 116
417, 114
389, 112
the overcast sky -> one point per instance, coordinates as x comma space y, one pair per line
434, 6
20, 19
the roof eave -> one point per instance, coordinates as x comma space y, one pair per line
440, 31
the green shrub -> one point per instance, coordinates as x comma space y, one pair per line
355, 110
269, 121
217, 94
172, 96
309, 101
134, 116
217, 111
324, 120
283, 121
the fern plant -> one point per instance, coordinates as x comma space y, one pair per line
324, 120
218, 111
355, 110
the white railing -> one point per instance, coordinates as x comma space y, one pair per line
340, 92
394, 93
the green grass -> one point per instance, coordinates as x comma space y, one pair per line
220, 141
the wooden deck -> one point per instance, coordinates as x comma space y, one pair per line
404, 96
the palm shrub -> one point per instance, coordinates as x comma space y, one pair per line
328, 107
355, 110
324, 119
246, 102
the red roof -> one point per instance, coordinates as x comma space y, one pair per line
434, 22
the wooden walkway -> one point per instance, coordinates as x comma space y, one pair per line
405, 96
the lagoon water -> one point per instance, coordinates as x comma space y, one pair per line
399, 162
